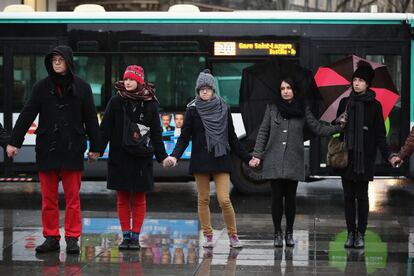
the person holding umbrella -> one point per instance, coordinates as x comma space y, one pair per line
363, 134
208, 123
279, 148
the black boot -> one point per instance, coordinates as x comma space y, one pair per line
289, 239
72, 246
51, 244
134, 244
124, 244
359, 241
349, 243
278, 241
126, 240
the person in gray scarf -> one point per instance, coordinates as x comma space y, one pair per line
208, 124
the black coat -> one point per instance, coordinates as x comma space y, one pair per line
4, 137
374, 137
203, 161
64, 121
127, 172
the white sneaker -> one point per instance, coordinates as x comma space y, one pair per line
235, 242
208, 241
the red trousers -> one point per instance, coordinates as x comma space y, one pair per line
71, 181
139, 208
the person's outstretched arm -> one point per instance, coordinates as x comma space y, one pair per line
263, 135
319, 127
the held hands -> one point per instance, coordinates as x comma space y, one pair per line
93, 156
254, 162
342, 120
396, 161
11, 151
169, 162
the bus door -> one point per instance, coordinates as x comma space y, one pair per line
228, 73
392, 54
21, 64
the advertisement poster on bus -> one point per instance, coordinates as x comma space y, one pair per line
171, 124
171, 129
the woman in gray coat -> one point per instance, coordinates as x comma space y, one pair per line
279, 148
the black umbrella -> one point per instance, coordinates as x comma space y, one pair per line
259, 86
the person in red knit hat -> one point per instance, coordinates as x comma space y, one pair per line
131, 124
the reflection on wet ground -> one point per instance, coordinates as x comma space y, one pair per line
171, 234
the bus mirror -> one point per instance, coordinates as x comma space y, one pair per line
183, 8
18, 8
89, 8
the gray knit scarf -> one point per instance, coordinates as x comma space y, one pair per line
214, 114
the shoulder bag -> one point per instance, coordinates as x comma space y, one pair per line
337, 156
136, 137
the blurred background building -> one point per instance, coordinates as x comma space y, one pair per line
226, 5
37, 5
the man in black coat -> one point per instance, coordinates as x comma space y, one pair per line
67, 114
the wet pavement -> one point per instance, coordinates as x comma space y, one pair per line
171, 234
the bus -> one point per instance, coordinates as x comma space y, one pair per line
174, 47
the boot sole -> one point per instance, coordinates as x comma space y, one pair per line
47, 251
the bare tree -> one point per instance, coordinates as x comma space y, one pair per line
281, 4
354, 5
400, 5
341, 6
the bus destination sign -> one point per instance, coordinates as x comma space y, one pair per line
254, 48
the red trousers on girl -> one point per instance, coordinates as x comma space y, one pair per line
139, 208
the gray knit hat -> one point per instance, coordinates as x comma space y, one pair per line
205, 78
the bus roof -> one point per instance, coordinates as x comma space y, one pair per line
259, 17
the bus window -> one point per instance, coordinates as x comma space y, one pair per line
174, 76
326, 59
92, 70
228, 76
27, 70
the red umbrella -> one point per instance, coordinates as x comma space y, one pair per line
335, 81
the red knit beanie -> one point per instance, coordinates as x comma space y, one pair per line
134, 72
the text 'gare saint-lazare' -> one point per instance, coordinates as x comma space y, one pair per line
274, 48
